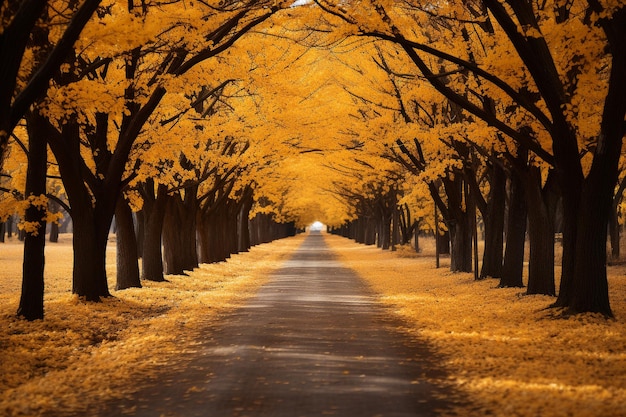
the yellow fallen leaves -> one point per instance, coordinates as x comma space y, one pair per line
85, 353
509, 353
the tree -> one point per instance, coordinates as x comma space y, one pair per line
150, 66
23, 81
552, 88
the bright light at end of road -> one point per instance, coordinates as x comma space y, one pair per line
317, 226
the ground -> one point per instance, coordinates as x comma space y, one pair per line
497, 346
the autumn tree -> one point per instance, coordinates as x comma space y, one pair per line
551, 87
151, 65
25, 79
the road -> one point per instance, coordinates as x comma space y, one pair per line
313, 342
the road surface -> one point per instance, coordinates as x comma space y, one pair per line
313, 342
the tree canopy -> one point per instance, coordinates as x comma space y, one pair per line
363, 113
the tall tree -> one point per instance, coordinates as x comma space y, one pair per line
22, 81
550, 87
151, 65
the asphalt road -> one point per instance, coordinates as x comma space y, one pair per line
313, 342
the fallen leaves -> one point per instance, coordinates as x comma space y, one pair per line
508, 352
85, 353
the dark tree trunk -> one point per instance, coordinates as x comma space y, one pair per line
494, 225
54, 232
369, 229
416, 237
90, 223
54, 226
204, 243
179, 233
459, 226
584, 286
589, 291
89, 258
384, 229
395, 228
243, 223
31, 300
614, 233
127, 260
513, 267
614, 226
9, 226
230, 227
152, 260
443, 242
140, 223
541, 238
461, 244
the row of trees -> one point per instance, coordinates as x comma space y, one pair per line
200, 117
129, 120
531, 100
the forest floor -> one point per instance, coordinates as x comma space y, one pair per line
499, 347
508, 351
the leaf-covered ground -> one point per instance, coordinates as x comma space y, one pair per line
512, 355
83, 353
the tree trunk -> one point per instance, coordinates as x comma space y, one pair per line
443, 242
243, 223
461, 244
152, 260
9, 226
31, 300
589, 292
614, 232
204, 243
395, 228
179, 233
54, 232
416, 236
54, 226
494, 225
140, 222
584, 286
89, 275
459, 226
541, 237
513, 267
614, 226
384, 234
127, 260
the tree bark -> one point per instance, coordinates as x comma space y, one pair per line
152, 259
513, 268
127, 260
614, 226
243, 221
140, 222
459, 226
179, 233
494, 225
91, 221
541, 236
31, 300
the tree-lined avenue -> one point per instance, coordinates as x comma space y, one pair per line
312, 342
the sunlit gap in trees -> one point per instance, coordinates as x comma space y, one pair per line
317, 226
300, 3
